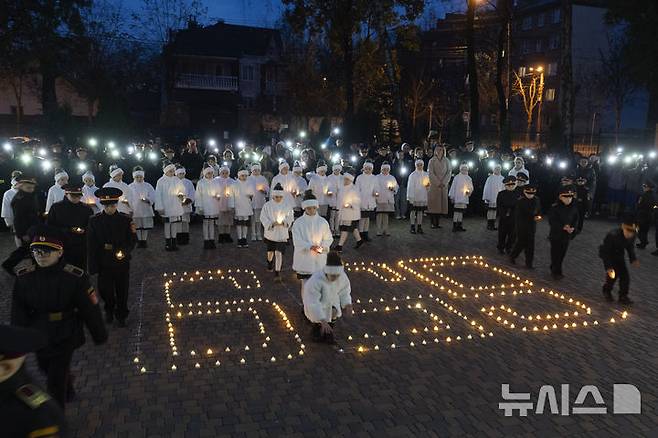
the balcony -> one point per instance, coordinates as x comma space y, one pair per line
207, 82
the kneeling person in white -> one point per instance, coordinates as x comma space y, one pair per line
327, 296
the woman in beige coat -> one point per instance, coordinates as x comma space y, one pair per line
440, 173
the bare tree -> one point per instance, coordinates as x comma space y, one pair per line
531, 96
615, 76
418, 99
567, 100
157, 19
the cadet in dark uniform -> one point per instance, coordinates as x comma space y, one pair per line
526, 216
505, 204
617, 242
582, 201
111, 237
563, 219
57, 299
72, 217
27, 207
646, 208
25, 409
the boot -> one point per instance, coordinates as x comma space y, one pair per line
145, 244
270, 265
141, 244
459, 227
490, 224
413, 229
168, 245
211, 244
364, 236
179, 238
359, 244
186, 238
173, 243
608, 296
420, 229
206, 244
455, 227
228, 238
244, 243
338, 248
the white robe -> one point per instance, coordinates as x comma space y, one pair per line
289, 184
335, 183
302, 186
417, 187
205, 198
367, 186
189, 194
7, 212
128, 195
55, 194
320, 186
242, 194
167, 201
144, 195
90, 200
514, 172
272, 213
308, 231
460, 189
492, 186
226, 201
350, 196
321, 296
384, 185
257, 183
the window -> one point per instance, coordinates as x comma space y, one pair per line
556, 16
552, 69
550, 95
554, 42
526, 47
540, 20
527, 23
538, 45
248, 72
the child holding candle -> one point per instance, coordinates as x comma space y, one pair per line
88, 191
206, 203
418, 185
277, 218
226, 204
143, 206
301, 186
387, 187
242, 195
183, 237
169, 205
261, 189
349, 213
459, 193
319, 184
492, 187
127, 200
56, 192
335, 181
288, 181
367, 185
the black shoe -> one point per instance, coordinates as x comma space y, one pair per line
244, 243
221, 238
109, 317
173, 243
121, 323
206, 244
608, 296
359, 244
338, 248
434, 226
270, 265
141, 244
211, 244
180, 240
420, 229
364, 236
460, 228
228, 238
625, 300
168, 245
185, 237
455, 227
640, 245
413, 229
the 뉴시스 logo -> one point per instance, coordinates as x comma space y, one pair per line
626, 399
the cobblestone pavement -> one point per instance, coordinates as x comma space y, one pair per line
458, 336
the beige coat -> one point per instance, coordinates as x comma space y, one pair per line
440, 172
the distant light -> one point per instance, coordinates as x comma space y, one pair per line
46, 165
7, 146
138, 155
335, 158
43, 152
111, 144
507, 165
336, 131
527, 152
296, 152
481, 152
212, 142
323, 146
131, 150
26, 158
652, 154
492, 164
353, 159
115, 153
302, 134
288, 143
403, 170
92, 142
549, 161
628, 159
82, 166
241, 144
563, 165
612, 159
453, 163
620, 150
469, 164
153, 156
225, 163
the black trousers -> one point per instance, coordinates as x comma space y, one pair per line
505, 233
525, 242
558, 251
621, 274
643, 233
56, 367
582, 208
113, 287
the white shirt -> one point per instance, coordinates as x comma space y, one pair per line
257, 183
55, 194
205, 198
189, 194
367, 186
308, 231
242, 194
492, 186
144, 196
89, 199
289, 184
387, 187
272, 213
167, 201
460, 189
320, 186
417, 187
302, 186
7, 212
350, 196
321, 297
226, 201
335, 183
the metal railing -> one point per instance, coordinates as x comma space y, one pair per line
207, 82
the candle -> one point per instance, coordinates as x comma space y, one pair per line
120, 255
319, 250
347, 205
376, 193
391, 186
426, 181
78, 230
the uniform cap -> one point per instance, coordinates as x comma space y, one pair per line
73, 189
108, 195
509, 180
47, 237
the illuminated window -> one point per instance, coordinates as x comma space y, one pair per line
550, 94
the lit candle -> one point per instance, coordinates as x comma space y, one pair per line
347, 205
120, 255
391, 186
426, 181
78, 230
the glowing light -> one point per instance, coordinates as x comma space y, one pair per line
92, 142
302, 134
562, 165
241, 144
46, 165
403, 170
549, 161
115, 153
152, 156
26, 158
353, 159
212, 142
7, 146
336, 131
612, 159
111, 144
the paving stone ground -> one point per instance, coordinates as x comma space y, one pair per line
433, 389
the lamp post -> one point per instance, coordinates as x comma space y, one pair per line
540, 97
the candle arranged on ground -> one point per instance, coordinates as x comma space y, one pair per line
78, 230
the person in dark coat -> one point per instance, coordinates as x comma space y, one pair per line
27, 207
646, 210
582, 198
526, 216
25, 409
192, 160
111, 237
616, 243
563, 219
57, 299
505, 204
71, 217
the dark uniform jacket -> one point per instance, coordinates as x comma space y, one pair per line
28, 211
506, 202
646, 204
110, 240
72, 219
559, 216
524, 214
58, 301
28, 411
614, 245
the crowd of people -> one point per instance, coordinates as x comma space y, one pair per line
94, 213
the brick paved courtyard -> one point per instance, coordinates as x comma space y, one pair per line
441, 321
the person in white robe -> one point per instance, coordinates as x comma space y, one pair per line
519, 167
226, 205
319, 184
183, 237
327, 296
127, 200
144, 198
302, 186
88, 191
349, 212
261, 190
418, 186
277, 217
7, 212
169, 197
335, 183
367, 185
206, 203
492, 186
56, 192
387, 187
459, 193
289, 183
243, 194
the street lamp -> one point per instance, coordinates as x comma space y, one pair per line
302, 134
